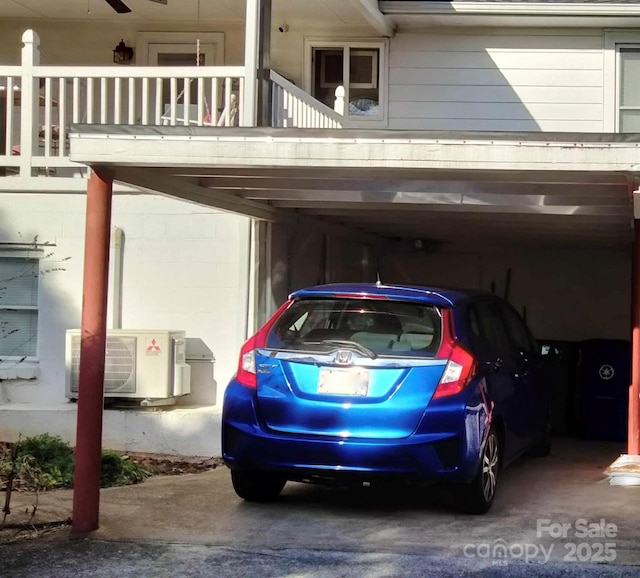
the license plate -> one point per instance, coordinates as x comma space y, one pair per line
354, 381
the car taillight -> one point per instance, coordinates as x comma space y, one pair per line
461, 365
247, 366
246, 374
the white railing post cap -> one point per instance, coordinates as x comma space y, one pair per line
30, 37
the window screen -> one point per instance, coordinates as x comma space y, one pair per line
18, 306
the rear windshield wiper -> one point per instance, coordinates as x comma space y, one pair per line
345, 343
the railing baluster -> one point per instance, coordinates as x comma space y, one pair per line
159, 107
173, 100
277, 106
117, 94
62, 116
9, 117
103, 100
145, 101
227, 101
75, 103
89, 100
214, 102
132, 101
292, 110
200, 100
186, 101
46, 130
241, 119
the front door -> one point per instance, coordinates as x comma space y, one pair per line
181, 49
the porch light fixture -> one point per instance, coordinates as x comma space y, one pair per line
122, 54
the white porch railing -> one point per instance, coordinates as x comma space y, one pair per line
293, 107
39, 103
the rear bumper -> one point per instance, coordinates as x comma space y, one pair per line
248, 444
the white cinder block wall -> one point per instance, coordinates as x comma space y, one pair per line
185, 267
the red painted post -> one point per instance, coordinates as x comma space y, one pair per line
86, 479
633, 442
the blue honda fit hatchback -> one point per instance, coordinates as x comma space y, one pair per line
364, 382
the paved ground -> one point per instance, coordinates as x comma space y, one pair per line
553, 516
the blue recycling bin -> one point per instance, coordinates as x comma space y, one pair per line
604, 375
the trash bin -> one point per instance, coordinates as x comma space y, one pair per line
559, 361
604, 376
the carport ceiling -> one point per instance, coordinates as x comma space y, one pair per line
560, 197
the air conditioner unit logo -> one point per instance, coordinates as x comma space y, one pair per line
152, 347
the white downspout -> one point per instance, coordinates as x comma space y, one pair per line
118, 260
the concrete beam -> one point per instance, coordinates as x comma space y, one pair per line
245, 148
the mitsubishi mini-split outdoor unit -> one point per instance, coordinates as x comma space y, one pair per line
144, 364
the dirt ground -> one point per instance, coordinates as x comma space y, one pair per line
160, 465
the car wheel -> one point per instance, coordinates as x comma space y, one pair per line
477, 496
542, 448
256, 486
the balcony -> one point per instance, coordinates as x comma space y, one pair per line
38, 105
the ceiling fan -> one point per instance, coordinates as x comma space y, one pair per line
121, 8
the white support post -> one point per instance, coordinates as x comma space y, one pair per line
29, 101
252, 36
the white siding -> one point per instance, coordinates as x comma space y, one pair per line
501, 80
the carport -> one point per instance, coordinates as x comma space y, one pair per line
353, 205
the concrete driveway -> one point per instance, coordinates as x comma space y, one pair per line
555, 514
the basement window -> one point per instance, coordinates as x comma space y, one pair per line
19, 273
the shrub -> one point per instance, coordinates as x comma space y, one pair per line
119, 470
44, 462
49, 458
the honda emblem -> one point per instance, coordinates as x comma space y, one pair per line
343, 357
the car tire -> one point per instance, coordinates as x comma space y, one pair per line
254, 486
477, 496
542, 448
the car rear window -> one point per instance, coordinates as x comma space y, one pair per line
393, 328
